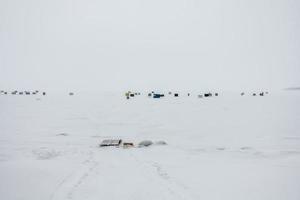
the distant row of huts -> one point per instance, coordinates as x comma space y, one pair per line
36, 92
257, 94
16, 92
156, 95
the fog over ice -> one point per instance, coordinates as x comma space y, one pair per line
139, 44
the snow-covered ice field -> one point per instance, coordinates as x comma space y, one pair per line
221, 148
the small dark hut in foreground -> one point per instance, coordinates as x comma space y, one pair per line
107, 143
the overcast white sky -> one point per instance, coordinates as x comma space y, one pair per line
143, 44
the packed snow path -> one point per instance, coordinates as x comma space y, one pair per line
228, 147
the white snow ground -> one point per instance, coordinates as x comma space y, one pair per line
227, 147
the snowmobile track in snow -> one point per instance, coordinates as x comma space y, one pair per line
67, 187
177, 189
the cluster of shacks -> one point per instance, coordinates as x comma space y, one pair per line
121, 143
130, 94
209, 94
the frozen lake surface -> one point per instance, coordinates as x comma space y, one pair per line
228, 147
